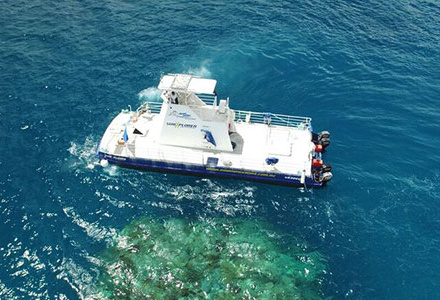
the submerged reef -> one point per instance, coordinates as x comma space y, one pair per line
209, 259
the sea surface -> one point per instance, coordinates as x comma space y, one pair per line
367, 71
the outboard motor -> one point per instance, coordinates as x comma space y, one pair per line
326, 168
322, 173
324, 139
327, 176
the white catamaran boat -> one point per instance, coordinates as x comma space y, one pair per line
190, 132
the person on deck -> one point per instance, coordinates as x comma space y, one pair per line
174, 98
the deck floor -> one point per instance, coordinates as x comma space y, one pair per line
256, 142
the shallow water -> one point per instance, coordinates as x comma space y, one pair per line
218, 258
366, 71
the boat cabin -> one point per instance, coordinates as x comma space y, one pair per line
190, 115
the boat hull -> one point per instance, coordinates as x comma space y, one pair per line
209, 171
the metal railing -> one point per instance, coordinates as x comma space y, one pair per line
272, 119
246, 116
153, 107
209, 99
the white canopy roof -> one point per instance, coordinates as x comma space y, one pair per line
187, 83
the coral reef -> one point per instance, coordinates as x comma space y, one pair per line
209, 259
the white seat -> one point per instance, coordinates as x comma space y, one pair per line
222, 106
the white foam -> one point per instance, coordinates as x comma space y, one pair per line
8, 293
201, 71
93, 230
149, 94
77, 277
213, 194
85, 153
112, 170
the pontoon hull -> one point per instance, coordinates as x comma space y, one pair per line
207, 171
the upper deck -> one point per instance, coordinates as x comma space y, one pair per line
203, 90
187, 84
250, 117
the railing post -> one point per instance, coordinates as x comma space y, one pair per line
248, 117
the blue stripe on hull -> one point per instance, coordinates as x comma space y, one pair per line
198, 170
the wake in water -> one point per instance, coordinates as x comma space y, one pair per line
85, 155
214, 195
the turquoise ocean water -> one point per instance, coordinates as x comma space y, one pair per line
367, 71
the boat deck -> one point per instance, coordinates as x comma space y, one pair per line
254, 143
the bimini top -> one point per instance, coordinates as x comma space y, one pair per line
187, 83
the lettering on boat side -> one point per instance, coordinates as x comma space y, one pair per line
242, 172
119, 158
181, 125
290, 178
181, 115
115, 157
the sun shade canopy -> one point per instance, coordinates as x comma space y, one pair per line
187, 83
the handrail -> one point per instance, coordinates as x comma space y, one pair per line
247, 116
209, 99
272, 119
153, 107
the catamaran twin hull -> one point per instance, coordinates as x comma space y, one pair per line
206, 171
189, 132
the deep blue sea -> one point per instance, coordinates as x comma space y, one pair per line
367, 71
